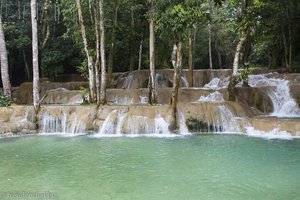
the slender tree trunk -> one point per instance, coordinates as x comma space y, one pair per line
286, 52
209, 46
152, 90
237, 54
290, 37
19, 9
177, 64
102, 52
4, 63
88, 54
247, 50
112, 45
234, 77
132, 43
140, 54
35, 52
97, 62
27, 69
191, 60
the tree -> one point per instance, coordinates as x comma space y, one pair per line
102, 50
175, 20
4, 63
112, 43
152, 84
88, 53
35, 56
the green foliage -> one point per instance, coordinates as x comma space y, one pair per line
177, 19
84, 94
244, 76
58, 55
4, 100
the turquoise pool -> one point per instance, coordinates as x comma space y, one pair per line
216, 167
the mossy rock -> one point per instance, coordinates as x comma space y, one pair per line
298, 101
194, 125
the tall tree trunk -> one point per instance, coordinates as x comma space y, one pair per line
97, 62
290, 36
191, 60
35, 56
102, 52
177, 64
234, 77
219, 55
209, 46
152, 90
247, 50
88, 54
27, 69
112, 45
140, 54
132, 43
4, 63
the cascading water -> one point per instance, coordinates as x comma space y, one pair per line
217, 83
212, 97
227, 121
283, 103
120, 123
128, 82
61, 124
185, 83
123, 100
144, 99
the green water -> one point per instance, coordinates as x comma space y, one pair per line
186, 168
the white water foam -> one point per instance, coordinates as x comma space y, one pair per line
212, 97
227, 122
128, 82
273, 134
144, 99
119, 123
185, 83
61, 125
217, 83
283, 103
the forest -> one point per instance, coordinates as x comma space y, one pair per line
96, 38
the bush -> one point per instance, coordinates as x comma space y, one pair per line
4, 100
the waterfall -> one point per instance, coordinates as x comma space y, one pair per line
128, 82
123, 100
217, 83
185, 83
61, 124
227, 121
212, 97
120, 123
283, 103
144, 99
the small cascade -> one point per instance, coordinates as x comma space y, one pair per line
119, 123
182, 125
108, 126
227, 121
123, 100
283, 103
217, 83
61, 124
212, 97
144, 99
128, 82
184, 81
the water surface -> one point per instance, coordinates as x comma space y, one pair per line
194, 167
